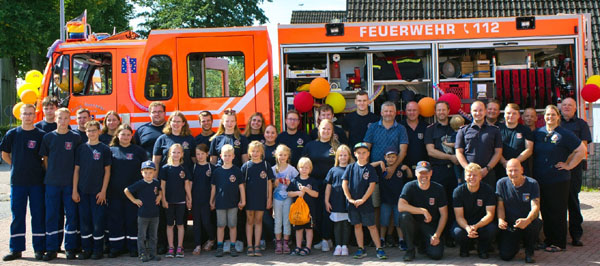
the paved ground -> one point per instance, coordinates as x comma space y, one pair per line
587, 255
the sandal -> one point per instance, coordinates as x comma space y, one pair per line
250, 251
197, 250
296, 251
208, 245
553, 248
305, 251
257, 252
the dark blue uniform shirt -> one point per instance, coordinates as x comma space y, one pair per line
82, 134
146, 136
311, 183
227, 187
147, 193
473, 203
322, 156
295, 142
338, 133
175, 177
359, 179
431, 199
416, 144
436, 134
337, 199
164, 142
256, 176
356, 125
60, 149
203, 139
478, 143
391, 188
517, 200
240, 147
548, 150
105, 138
24, 147
125, 168
91, 160
201, 178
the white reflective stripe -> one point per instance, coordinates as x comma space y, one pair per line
116, 238
260, 68
40, 234
250, 95
98, 237
132, 237
71, 232
54, 232
88, 236
18, 235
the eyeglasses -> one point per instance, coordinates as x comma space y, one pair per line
27, 114
229, 111
293, 119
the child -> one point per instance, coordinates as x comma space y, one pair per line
174, 178
227, 195
258, 177
58, 148
359, 182
456, 122
148, 198
199, 188
390, 193
335, 201
306, 187
284, 172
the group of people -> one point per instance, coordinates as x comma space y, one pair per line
104, 187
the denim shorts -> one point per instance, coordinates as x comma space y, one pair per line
364, 218
386, 211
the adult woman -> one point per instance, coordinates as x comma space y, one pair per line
111, 122
255, 128
122, 214
556, 151
229, 133
270, 143
177, 130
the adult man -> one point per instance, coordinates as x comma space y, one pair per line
326, 112
530, 118
474, 207
415, 129
518, 209
480, 143
356, 123
83, 116
581, 129
291, 137
517, 140
20, 148
493, 112
147, 134
206, 121
423, 212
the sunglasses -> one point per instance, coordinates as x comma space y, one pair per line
229, 111
205, 113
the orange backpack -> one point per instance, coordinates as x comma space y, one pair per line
299, 212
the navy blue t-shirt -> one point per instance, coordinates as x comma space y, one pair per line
24, 147
338, 133
125, 168
311, 183
240, 147
201, 180
513, 140
270, 154
147, 193
227, 187
473, 203
578, 126
356, 125
322, 156
258, 137
390, 189
435, 134
431, 199
337, 199
479, 143
60, 149
46, 126
82, 134
256, 176
175, 177
548, 150
91, 160
164, 142
203, 139
517, 200
295, 142
359, 179
416, 143
146, 136
105, 138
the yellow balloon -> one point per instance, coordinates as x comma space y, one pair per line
337, 101
17, 110
24, 87
28, 97
77, 85
305, 87
595, 79
34, 77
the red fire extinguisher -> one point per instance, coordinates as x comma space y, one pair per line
334, 72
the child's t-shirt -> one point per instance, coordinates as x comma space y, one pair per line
201, 178
359, 179
60, 149
280, 192
390, 189
175, 177
256, 176
227, 187
91, 160
337, 199
311, 183
146, 192
240, 147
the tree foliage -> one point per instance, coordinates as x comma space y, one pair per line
170, 14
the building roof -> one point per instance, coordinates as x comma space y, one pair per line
317, 16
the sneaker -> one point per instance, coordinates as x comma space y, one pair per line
50, 255
330, 243
360, 253
286, 247
179, 253
71, 254
318, 245
219, 252
84, 255
263, 245
402, 245
226, 246
197, 250
344, 250
337, 251
38, 255
409, 255
382, 242
239, 246
381, 254
170, 253
278, 246
97, 255
325, 246
233, 250
143, 258
12, 256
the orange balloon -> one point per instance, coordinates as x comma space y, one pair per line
28, 97
319, 88
17, 110
427, 107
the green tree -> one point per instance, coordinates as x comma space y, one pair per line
169, 14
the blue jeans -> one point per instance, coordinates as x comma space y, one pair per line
386, 212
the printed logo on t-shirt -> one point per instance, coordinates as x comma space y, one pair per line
399, 174
129, 156
331, 152
519, 135
155, 191
420, 135
232, 178
182, 174
300, 141
273, 153
96, 155
262, 141
309, 186
185, 145
68, 145
263, 174
31, 144
526, 196
554, 138
431, 201
365, 175
237, 143
208, 172
479, 202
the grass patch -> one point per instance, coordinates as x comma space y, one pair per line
589, 189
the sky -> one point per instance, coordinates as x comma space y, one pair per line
280, 12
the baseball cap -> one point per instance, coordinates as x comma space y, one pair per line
148, 165
361, 145
423, 165
391, 150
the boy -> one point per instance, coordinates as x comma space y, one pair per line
49, 106
148, 195
358, 183
90, 178
58, 148
227, 193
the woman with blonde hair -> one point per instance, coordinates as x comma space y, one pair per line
255, 128
229, 133
176, 131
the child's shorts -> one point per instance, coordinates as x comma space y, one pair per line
364, 218
308, 225
175, 214
227, 217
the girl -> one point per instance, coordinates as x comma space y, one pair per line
199, 188
284, 172
173, 181
229, 133
335, 201
177, 130
111, 123
270, 143
258, 176
306, 187
255, 128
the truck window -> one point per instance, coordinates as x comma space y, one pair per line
216, 74
59, 83
92, 74
159, 78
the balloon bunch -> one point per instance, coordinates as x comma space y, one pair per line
591, 91
28, 92
319, 88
